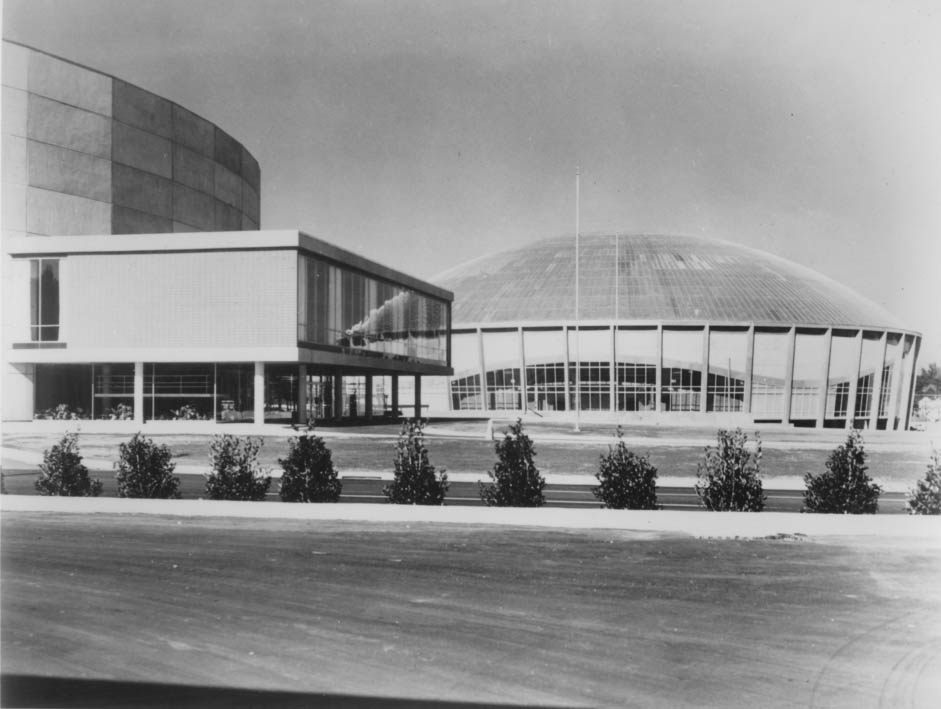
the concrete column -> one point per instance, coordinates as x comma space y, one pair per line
482, 366
613, 381
877, 385
259, 413
749, 369
704, 382
523, 404
395, 395
138, 392
568, 388
367, 409
659, 372
789, 373
302, 414
822, 404
417, 396
910, 391
895, 384
854, 382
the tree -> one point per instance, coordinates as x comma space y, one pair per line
308, 474
729, 475
926, 497
235, 473
416, 481
928, 381
62, 472
844, 488
517, 481
626, 480
144, 469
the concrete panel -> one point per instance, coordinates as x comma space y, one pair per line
193, 170
192, 207
250, 203
56, 123
142, 150
57, 79
227, 218
180, 227
16, 66
14, 160
18, 387
159, 290
228, 187
54, 213
64, 170
142, 109
14, 207
142, 191
131, 221
192, 131
251, 173
15, 103
228, 152
248, 224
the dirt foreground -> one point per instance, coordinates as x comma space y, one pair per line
147, 608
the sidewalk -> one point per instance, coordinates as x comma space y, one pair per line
738, 525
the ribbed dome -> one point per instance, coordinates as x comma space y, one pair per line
671, 279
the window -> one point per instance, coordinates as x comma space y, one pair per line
44, 300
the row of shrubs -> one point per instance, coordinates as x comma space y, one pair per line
728, 477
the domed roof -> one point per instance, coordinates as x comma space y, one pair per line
670, 279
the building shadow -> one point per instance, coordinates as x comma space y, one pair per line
21, 690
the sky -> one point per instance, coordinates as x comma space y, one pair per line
425, 133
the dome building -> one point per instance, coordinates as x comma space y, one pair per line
673, 328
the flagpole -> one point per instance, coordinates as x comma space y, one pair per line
578, 359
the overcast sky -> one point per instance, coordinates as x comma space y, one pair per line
423, 134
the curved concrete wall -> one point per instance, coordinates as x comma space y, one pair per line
86, 153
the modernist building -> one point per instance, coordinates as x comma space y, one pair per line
137, 285
673, 328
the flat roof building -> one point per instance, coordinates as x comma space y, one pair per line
138, 286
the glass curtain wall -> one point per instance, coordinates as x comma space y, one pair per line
728, 351
769, 371
844, 364
593, 349
341, 308
810, 352
889, 392
545, 369
465, 384
682, 370
502, 364
113, 391
636, 359
870, 376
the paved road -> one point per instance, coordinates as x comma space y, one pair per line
369, 490
118, 610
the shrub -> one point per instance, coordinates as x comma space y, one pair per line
308, 472
416, 481
926, 497
121, 412
61, 412
844, 488
62, 472
235, 472
144, 470
626, 480
516, 479
187, 412
729, 475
